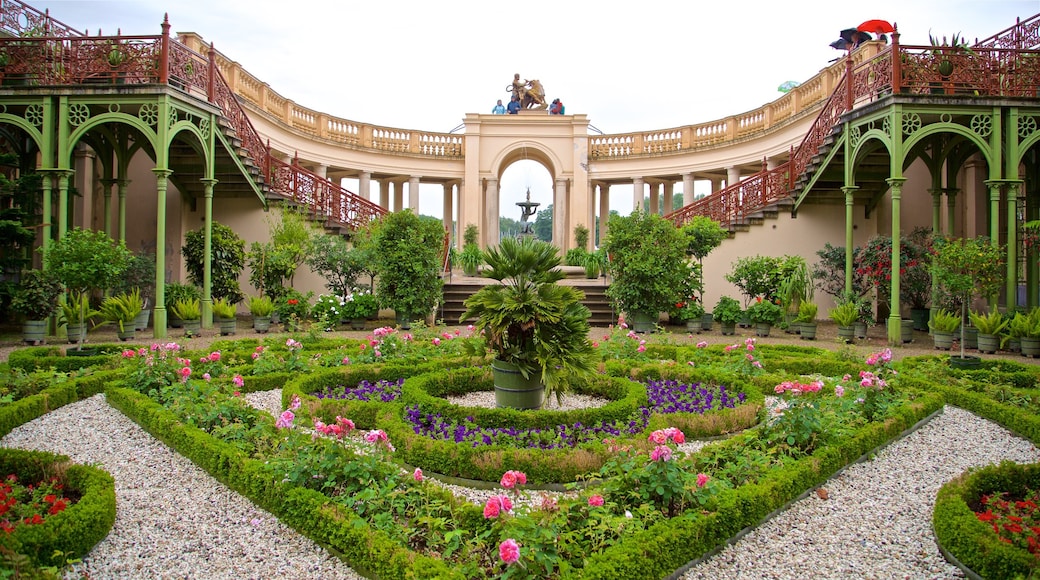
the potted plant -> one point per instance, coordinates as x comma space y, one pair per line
1021, 328
944, 324
727, 313
689, 312
703, 235
175, 292
471, 256
76, 314
764, 314
86, 260
756, 276
121, 310
844, 315
647, 261
139, 275
190, 312
591, 262
966, 268
360, 304
990, 326
224, 312
536, 329
292, 308
36, 299
806, 320
407, 263
796, 286
261, 308
1031, 338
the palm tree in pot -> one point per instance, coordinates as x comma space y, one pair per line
536, 329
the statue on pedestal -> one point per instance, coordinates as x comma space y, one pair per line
527, 209
530, 93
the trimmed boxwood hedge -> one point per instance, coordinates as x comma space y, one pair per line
53, 357
973, 542
74, 531
51, 398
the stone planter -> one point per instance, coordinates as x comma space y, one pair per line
860, 329
988, 343
357, 323
227, 326
906, 330
512, 390
728, 329
192, 328
693, 326
262, 324
76, 332
404, 320
643, 322
762, 329
943, 340
174, 322
846, 334
141, 322
1030, 346
34, 332
807, 330
706, 321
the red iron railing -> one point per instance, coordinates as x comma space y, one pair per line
68, 57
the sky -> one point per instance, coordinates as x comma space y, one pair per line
628, 66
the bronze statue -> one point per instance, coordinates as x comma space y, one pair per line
530, 93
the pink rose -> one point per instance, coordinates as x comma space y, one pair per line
491, 509
238, 381
285, 420
509, 551
436, 341
702, 479
659, 437
661, 453
839, 391
702, 344
417, 475
596, 501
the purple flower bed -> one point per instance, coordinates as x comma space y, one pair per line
671, 396
559, 437
383, 390
665, 396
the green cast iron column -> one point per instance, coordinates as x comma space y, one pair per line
47, 185
994, 222
161, 175
936, 230
1012, 245
207, 269
951, 210
123, 184
106, 188
63, 201
894, 319
850, 191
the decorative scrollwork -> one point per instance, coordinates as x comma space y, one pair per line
114, 108
78, 114
886, 127
174, 115
945, 118
149, 113
911, 123
982, 125
33, 114
204, 127
1026, 126
854, 136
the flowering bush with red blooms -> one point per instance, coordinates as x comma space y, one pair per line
915, 280
22, 505
686, 310
1017, 522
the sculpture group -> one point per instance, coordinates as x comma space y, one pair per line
529, 93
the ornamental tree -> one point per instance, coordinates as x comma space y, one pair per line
647, 260
968, 268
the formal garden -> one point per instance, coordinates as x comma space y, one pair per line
524, 445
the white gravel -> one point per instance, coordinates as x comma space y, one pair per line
175, 521
172, 519
876, 522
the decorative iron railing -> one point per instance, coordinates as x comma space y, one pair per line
31, 59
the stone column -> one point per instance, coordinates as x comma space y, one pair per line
655, 196
637, 194
413, 194
207, 270
716, 184
446, 210
398, 194
894, 330
669, 197
732, 176
687, 189
604, 211
365, 185
491, 217
560, 223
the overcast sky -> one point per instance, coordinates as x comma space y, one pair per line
628, 66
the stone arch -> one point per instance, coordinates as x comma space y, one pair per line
506, 156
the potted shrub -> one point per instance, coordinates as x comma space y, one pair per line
796, 287
647, 261
764, 314
76, 313
806, 320
224, 312
292, 308
1020, 328
703, 235
471, 256
844, 315
36, 299
261, 308
190, 312
756, 276
944, 324
967, 268
689, 312
407, 256
591, 262
84, 261
122, 310
536, 329
727, 313
990, 326
175, 292
360, 305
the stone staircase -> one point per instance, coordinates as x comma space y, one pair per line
456, 293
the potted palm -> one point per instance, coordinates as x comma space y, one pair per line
727, 313
122, 310
965, 268
944, 324
174, 293
224, 312
647, 261
764, 314
261, 308
806, 320
471, 256
844, 315
1031, 337
76, 313
190, 312
990, 326
536, 329
36, 299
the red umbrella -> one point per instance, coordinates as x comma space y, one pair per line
876, 26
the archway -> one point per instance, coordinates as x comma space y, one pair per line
520, 179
